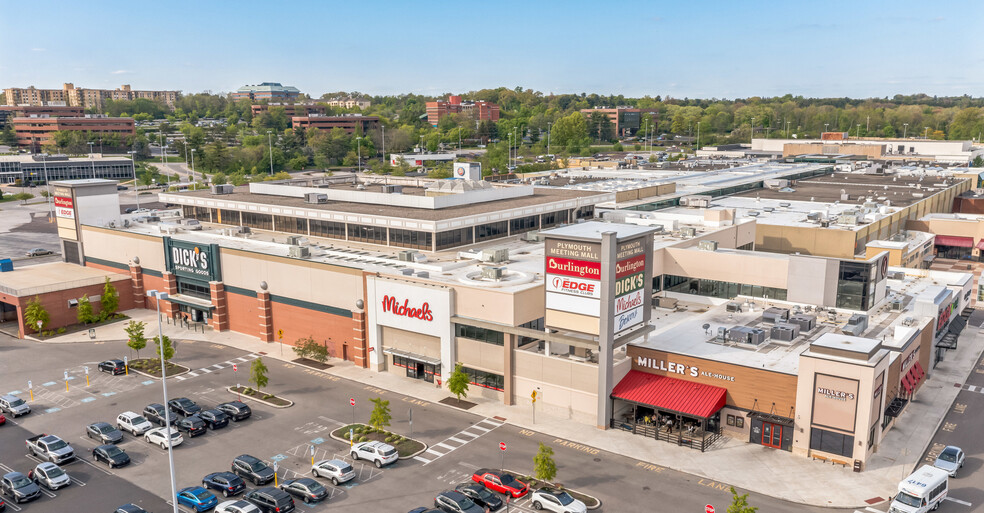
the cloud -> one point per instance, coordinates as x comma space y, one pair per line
121, 72
656, 19
37, 49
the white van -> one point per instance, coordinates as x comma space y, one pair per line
923, 491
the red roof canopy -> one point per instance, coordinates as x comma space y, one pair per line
953, 240
666, 393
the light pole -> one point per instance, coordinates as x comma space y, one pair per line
92, 160
825, 125
698, 139
383, 142
421, 145
162, 296
857, 133
193, 163
905, 129
133, 166
160, 138
270, 141
925, 132
867, 123
358, 142
47, 184
548, 137
751, 130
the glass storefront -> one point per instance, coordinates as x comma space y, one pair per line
855, 285
715, 288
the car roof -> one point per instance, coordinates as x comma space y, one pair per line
129, 414
101, 424
46, 465
951, 449
11, 475
454, 495
247, 457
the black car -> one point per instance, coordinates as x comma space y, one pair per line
456, 502
306, 489
184, 406
481, 495
193, 425
155, 413
113, 367
130, 508
236, 410
425, 510
225, 482
270, 499
104, 432
112, 455
20, 488
214, 418
252, 468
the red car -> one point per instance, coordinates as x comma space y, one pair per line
501, 482
3, 420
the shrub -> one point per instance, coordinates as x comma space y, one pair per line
268, 396
388, 439
363, 438
61, 330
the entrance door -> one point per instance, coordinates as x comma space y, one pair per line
772, 435
412, 369
420, 370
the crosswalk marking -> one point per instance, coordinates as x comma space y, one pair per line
216, 367
456, 442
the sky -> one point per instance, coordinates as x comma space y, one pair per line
688, 48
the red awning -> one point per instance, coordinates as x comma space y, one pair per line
907, 384
915, 374
665, 393
919, 370
980, 245
953, 240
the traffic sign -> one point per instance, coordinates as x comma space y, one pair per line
352, 401
502, 447
280, 334
235, 368
533, 395
708, 509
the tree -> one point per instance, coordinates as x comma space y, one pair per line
35, 313
135, 334
167, 348
458, 382
258, 374
570, 129
220, 178
601, 126
380, 416
23, 197
110, 300
544, 467
84, 310
739, 503
978, 162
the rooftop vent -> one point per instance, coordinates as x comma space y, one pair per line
393, 189
707, 245
407, 255
300, 252
495, 255
492, 273
314, 197
222, 189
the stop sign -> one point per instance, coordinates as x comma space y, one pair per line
352, 401
235, 368
502, 447
708, 509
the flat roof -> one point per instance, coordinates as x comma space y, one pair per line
43, 278
56, 159
900, 190
593, 230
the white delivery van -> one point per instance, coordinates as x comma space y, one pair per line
923, 491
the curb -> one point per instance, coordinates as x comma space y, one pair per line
522, 475
340, 439
169, 376
268, 403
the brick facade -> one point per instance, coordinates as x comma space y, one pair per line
56, 303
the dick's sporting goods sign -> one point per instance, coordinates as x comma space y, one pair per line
190, 260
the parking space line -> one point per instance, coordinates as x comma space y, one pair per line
47, 492
76, 480
104, 471
203, 369
958, 501
480, 428
13, 506
448, 447
218, 366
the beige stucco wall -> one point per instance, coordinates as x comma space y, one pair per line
412, 342
480, 355
566, 387
741, 267
497, 306
120, 246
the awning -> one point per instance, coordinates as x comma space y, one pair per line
980, 245
412, 356
193, 302
907, 383
953, 240
665, 393
896, 407
919, 371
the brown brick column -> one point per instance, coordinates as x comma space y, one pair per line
220, 315
139, 294
358, 350
168, 308
508, 350
266, 316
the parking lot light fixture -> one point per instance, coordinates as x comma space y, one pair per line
163, 296
133, 166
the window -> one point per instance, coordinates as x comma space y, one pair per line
484, 379
195, 289
536, 324
715, 288
410, 239
370, 234
327, 229
479, 334
224, 216
831, 442
258, 221
199, 213
854, 283
491, 231
291, 224
454, 238
523, 224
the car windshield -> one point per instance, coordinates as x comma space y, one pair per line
105, 428
908, 500
949, 455
508, 480
54, 446
113, 451
564, 497
389, 452
138, 420
465, 504
314, 487
17, 402
202, 495
54, 471
257, 466
20, 482
346, 469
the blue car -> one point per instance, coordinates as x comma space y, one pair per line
197, 497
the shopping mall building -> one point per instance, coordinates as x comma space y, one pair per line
669, 326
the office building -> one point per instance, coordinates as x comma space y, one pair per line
349, 103
72, 96
40, 168
626, 120
479, 110
37, 131
291, 109
270, 91
351, 124
8, 112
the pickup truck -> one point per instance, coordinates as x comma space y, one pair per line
50, 448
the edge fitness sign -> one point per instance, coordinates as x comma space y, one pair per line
190, 260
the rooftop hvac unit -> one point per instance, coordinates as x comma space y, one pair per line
768, 209
315, 197
532, 236
896, 275
707, 245
492, 273
856, 325
423, 274
407, 255
897, 305
786, 332
722, 333
753, 213
300, 252
784, 204
294, 240
776, 183
688, 231
824, 224
814, 216
393, 189
775, 315
805, 322
850, 217
222, 189
495, 255
666, 302
734, 307
696, 201
901, 236
746, 335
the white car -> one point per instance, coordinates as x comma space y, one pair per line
376, 452
157, 436
336, 470
560, 501
239, 506
50, 476
133, 423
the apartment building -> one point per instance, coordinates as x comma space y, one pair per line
72, 96
480, 110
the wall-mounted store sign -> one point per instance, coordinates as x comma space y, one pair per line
190, 260
574, 286
838, 395
679, 368
64, 207
909, 359
835, 402
574, 268
409, 306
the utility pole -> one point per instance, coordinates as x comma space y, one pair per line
548, 137
270, 141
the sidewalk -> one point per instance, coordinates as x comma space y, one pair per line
745, 466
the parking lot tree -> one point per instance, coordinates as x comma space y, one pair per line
84, 310
258, 374
739, 503
110, 300
165, 348
544, 467
23, 197
135, 336
35, 313
458, 382
380, 417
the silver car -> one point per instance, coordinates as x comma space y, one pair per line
14, 405
950, 460
50, 476
336, 470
